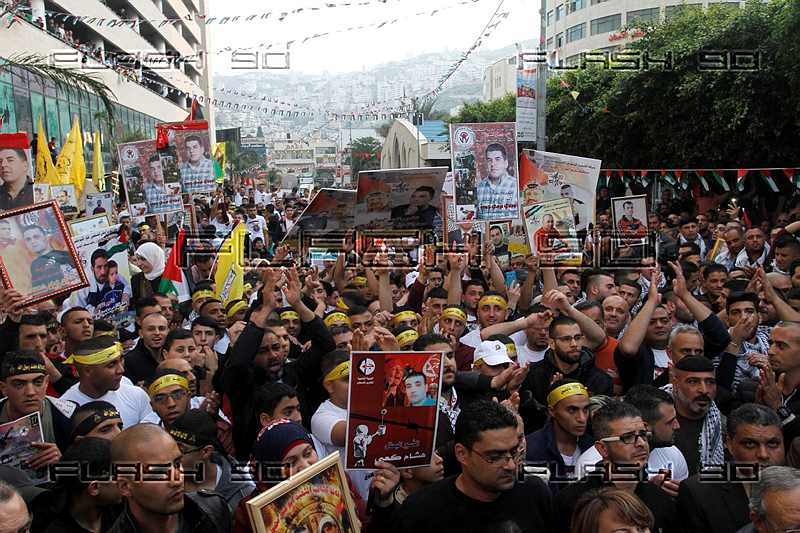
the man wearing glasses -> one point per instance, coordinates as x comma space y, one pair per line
169, 395
623, 442
487, 492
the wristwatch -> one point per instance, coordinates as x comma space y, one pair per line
785, 415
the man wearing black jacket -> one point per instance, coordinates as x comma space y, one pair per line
258, 357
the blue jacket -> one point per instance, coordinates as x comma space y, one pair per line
543, 448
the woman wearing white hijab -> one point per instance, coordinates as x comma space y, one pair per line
152, 262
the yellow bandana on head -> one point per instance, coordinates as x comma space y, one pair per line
493, 300
235, 308
105, 333
247, 287
339, 371
98, 358
570, 389
454, 311
361, 279
407, 336
511, 348
205, 293
288, 315
341, 305
336, 317
166, 381
402, 315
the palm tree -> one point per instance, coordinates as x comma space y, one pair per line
236, 160
366, 155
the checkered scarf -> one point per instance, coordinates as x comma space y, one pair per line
451, 410
710, 441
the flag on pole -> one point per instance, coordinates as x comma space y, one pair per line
230, 275
70, 166
701, 174
45, 169
721, 179
765, 173
219, 161
173, 280
98, 169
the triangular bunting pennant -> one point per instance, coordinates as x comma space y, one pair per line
766, 174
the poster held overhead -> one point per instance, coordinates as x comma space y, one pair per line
16, 171
550, 227
195, 159
143, 178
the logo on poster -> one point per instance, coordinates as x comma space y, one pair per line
366, 366
464, 137
130, 153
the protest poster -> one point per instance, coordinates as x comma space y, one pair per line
193, 148
630, 220
526, 96
66, 197
456, 231
143, 179
562, 176
99, 202
316, 499
104, 260
170, 169
392, 409
399, 199
15, 445
17, 171
330, 211
41, 192
88, 224
551, 232
485, 169
36, 253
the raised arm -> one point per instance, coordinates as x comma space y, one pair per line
700, 311
634, 335
535, 320
458, 263
595, 336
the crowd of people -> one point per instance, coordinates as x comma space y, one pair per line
658, 396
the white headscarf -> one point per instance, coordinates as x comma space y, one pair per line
155, 256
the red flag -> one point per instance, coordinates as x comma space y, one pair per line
789, 172
190, 116
565, 84
15, 140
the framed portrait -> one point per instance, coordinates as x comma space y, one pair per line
188, 152
550, 227
66, 198
41, 192
143, 177
317, 496
89, 224
99, 203
630, 221
17, 187
37, 255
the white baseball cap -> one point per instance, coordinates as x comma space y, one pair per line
492, 353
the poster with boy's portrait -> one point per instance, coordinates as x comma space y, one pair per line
98, 203
142, 175
486, 177
630, 220
37, 257
551, 232
41, 192
191, 141
392, 410
16, 171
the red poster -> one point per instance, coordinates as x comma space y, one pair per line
393, 412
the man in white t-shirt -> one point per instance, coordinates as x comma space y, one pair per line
261, 196
256, 225
329, 423
659, 416
100, 368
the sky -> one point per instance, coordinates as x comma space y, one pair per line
455, 28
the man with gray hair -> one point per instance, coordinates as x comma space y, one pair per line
773, 501
14, 516
755, 440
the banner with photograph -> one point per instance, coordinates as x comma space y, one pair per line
399, 199
457, 230
98, 203
37, 257
195, 158
562, 176
104, 260
15, 446
41, 192
551, 232
526, 98
331, 210
485, 171
17, 171
66, 197
630, 220
392, 411
143, 178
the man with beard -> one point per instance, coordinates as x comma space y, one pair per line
694, 386
259, 356
754, 437
50, 266
418, 213
622, 439
492, 309
734, 244
756, 250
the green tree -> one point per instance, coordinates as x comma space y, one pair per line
503, 109
383, 128
359, 147
274, 176
237, 160
686, 116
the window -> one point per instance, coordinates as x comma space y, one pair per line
575, 5
559, 11
606, 24
550, 43
549, 17
645, 15
577, 32
594, 2
674, 11
559, 40
573, 59
497, 82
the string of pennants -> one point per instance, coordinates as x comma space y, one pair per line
683, 177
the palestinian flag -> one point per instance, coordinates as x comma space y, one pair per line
173, 280
702, 175
718, 175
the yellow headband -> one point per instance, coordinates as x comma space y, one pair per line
361, 279
511, 348
570, 389
406, 336
205, 293
493, 300
143, 227
105, 333
340, 303
247, 287
454, 311
402, 315
335, 317
236, 307
286, 315
341, 370
166, 381
103, 356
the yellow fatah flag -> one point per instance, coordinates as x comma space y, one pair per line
70, 166
98, 170
45, 170
230, 274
